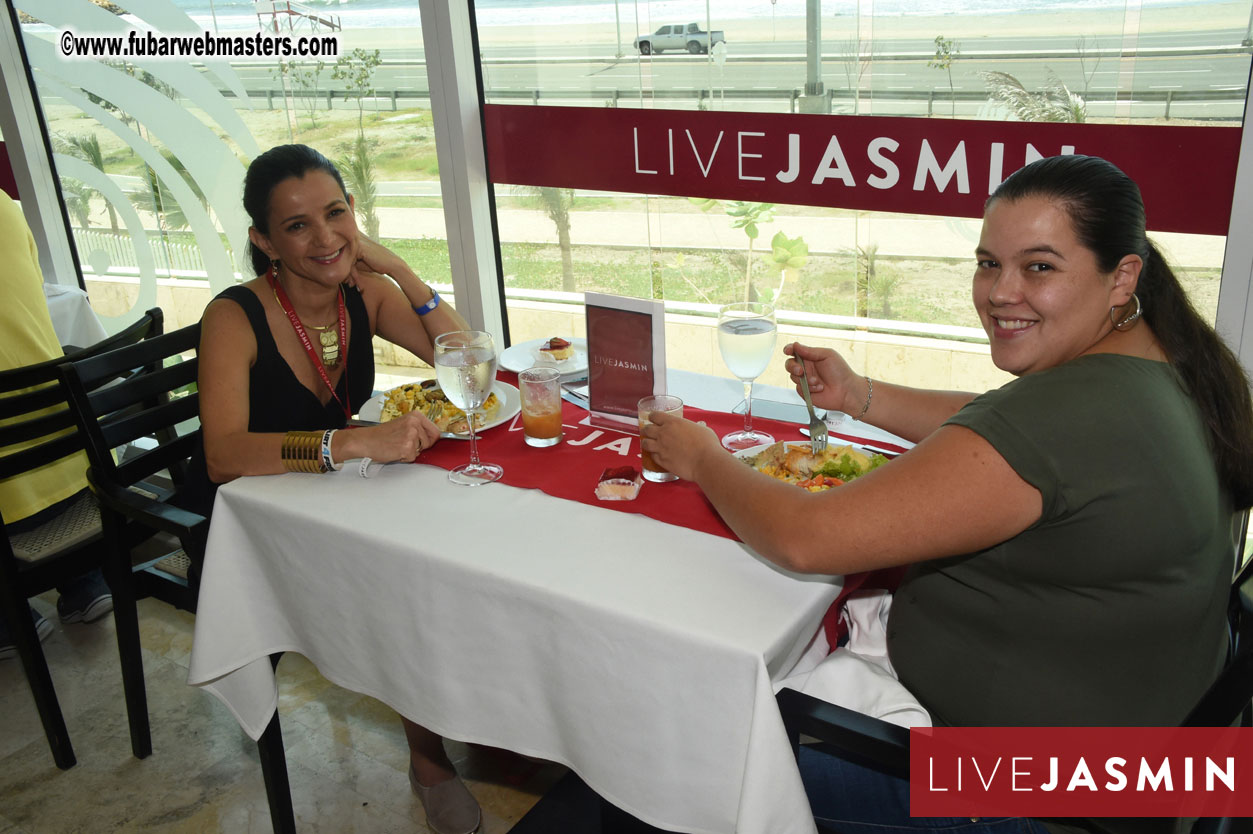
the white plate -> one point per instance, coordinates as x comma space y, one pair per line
510, 405
521, 356
753, 451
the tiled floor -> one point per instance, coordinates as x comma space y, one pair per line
346, 753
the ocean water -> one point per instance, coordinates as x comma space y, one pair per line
642, 14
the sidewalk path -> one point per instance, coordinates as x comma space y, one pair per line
897, 236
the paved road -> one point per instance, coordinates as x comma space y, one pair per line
1207, 62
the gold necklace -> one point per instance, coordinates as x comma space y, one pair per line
328, 338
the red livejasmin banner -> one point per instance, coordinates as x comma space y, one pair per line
917, 166
1081, 772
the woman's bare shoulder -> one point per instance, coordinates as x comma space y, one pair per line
226, 307
225, 325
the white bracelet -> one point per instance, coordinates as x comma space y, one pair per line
327, 460
368, 467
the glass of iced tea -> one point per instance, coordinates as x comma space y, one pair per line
540, 389
670, 405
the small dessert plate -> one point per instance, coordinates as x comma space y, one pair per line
519, 357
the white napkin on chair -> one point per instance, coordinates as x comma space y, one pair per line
859, 676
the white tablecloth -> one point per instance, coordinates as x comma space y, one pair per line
643, 655
72, 317
639, 653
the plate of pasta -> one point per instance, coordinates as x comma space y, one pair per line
502, 405
792, 462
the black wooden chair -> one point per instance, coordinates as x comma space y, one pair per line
140, 410
877, 744
38, 430
140, 414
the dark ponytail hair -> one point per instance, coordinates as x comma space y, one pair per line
1107, 213
264, 174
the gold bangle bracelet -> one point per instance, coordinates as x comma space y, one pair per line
302, 452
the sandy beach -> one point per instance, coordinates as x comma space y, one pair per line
968, 30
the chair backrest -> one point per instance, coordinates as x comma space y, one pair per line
38, 426
1229, 697
144, 390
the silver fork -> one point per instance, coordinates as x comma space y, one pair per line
433, 410
817, 428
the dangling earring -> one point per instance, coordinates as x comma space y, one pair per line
1127, 322
275, 264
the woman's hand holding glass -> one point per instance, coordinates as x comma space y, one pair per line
678, 444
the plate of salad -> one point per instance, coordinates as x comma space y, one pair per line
793, 462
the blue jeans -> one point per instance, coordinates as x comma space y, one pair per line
850, 798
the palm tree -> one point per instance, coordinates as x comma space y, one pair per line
357, 169
87, 148
77, 196
157, 199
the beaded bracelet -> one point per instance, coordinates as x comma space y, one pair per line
423, 309
301, 451
327, 460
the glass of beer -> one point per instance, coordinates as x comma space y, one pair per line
670, 405
540, 389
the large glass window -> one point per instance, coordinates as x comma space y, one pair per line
152, 151
891, 290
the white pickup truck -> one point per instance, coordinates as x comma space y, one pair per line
689, 37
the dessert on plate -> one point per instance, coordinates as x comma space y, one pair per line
557, 349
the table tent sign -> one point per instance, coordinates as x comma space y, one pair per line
626, 357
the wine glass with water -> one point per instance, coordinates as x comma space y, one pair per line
465, 365
746, 337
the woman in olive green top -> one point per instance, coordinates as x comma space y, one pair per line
1068, 534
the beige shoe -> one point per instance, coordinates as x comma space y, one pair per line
450, 807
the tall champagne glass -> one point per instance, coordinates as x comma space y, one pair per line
465, 365
746, 337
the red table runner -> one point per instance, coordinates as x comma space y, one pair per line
572, 468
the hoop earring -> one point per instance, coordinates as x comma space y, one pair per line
1128, 322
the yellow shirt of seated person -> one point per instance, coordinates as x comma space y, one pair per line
27, 337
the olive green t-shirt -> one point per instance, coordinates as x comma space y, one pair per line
1110, 610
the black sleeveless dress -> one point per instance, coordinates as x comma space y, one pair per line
277, 401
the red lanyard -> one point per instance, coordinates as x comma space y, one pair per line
286, 304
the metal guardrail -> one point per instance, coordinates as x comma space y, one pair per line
931, 98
